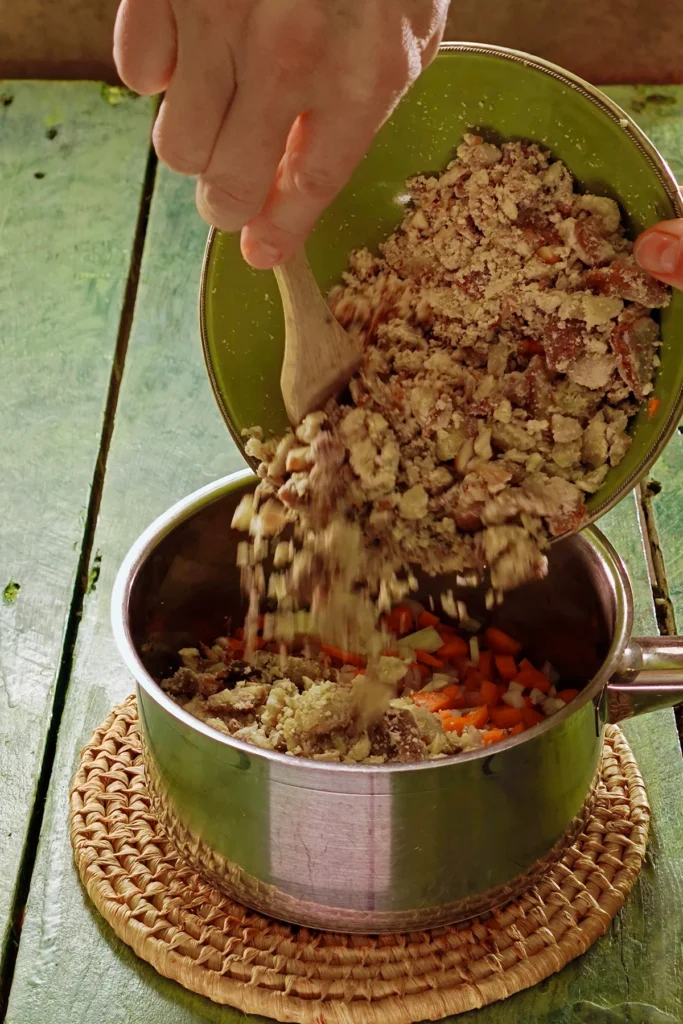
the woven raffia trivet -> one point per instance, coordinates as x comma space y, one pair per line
193, 934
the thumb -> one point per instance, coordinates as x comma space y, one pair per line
659, 250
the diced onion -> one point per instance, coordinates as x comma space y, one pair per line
437, 682
424, 640
514, 699
551, 705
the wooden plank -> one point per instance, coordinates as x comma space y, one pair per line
168, 440
659, 112
64, 261
622, 527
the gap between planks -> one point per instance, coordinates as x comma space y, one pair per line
664, 609
8, 964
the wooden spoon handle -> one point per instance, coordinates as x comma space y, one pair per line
299, 290
319, 355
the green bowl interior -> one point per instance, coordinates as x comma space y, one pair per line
500, 96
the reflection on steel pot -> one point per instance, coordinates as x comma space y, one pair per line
391, 847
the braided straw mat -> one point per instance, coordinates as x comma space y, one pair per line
192, 933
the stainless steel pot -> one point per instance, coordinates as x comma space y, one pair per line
392, 847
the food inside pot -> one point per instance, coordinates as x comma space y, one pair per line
438, 691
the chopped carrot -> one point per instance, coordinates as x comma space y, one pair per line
452, 723
456, 696
425, 658
346, 657
489, 694
400, 620
485, 665
234, 643
426, 619
490, 736
530, 716
472, 698
531, 677
445, 632
652, 407
520, 727
505, 717
239, 633
568, 695
533, 680
478, 717
436, 701
502, 689
473, 678
500, 642
507, 668
454, 647
422, 669
457, 723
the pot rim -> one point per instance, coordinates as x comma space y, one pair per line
184, 509
637, 137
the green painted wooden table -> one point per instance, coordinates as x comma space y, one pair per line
107, 418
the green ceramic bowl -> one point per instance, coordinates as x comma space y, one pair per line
496, 92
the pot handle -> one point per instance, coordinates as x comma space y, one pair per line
649, 677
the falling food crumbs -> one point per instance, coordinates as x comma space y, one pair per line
508, 343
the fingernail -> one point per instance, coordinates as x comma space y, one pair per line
261, 255
659, 252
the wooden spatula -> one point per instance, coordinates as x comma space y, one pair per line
320, 356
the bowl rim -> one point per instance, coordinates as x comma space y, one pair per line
637, 137
184, 509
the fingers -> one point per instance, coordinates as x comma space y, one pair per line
246, 156
145, 45
283, 47
659, 250
322, 152
197, 98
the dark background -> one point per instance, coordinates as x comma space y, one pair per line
601, 40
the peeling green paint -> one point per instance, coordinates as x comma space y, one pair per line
53, 119
11, 592
115, 94
94, 574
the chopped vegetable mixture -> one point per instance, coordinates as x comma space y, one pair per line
437, 691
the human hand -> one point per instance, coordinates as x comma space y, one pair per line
659, 250
272, 102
